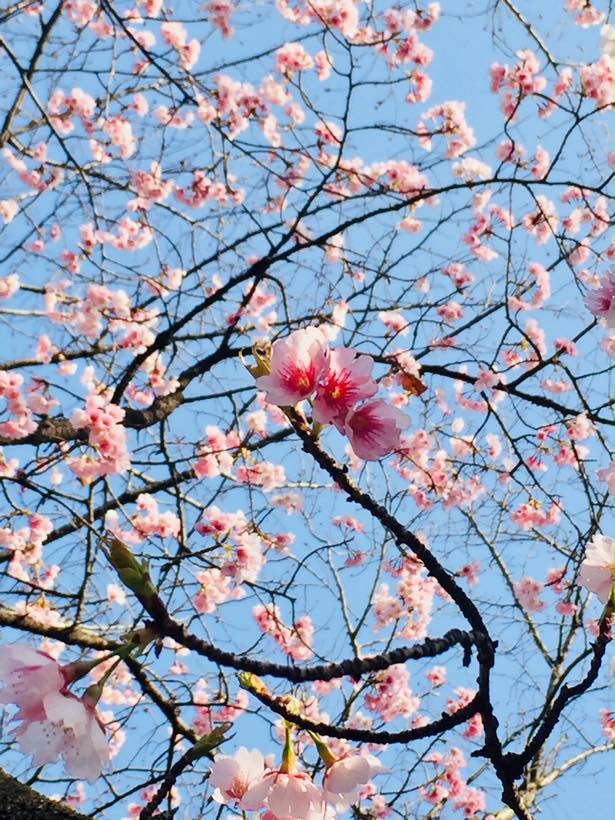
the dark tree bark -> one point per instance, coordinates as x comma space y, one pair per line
20, 802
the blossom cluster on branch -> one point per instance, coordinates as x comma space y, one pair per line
302, 366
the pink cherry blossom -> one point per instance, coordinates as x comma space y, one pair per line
392, 696
295, 641
176, 36
347, 380
8, 210
601, 300
216, 588
374, 429
588, 15
597, 80
436, 675
297, 363
395, 321
232, 776
66, 727
541, 162
54, 723
27, 675
542, 293
8, 285
106, 435
323, 63
607, 721
608, 474
528, 591
329, 134
542, 223
288, 796
597, 571
220, 13
343, 779
449, 119
292, 57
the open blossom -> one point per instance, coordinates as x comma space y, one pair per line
374, 429
394, 321
8, 285
347, 381
233, 775
436, 675
106, 434
296, 641
175, 35
66, 727
542, 223
597, 572
297, 363
287, 795
601, 300
292, 57
607, 721
54, 722
343, 779
8, 210
528, 592
27, 675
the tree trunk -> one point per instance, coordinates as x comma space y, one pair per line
19, 802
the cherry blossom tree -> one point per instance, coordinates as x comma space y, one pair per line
306, 426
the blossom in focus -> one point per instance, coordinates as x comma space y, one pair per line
28, 675
297, 363
343, 779
601, 301
597, 571
347, 381
233, 775
54, 723
66, 727
287, 795
374, 429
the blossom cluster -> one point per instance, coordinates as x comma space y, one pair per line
150, 522
21, 408
339, 381
240, 559
296, 642
245, 781
451, 785
106, 434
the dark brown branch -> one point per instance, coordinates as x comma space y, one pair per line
169, 781
74, 635
485, 645
436, 727
20, 802
518, 761
513, 390
353, 667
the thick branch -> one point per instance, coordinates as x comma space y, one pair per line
20, 802
75, 634
443, 724
353, 667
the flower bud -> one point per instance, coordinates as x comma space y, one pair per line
262, 356
132, 573
251, 682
